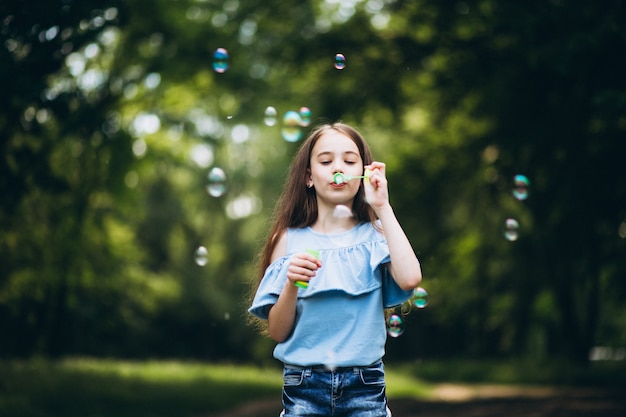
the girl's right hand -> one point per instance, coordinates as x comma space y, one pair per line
302, 267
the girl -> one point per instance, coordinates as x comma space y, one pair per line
325, 279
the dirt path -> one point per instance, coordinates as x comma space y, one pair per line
484, 401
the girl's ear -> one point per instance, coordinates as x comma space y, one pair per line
309, 178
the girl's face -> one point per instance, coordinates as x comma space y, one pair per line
335, 152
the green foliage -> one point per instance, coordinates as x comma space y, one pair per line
113, 117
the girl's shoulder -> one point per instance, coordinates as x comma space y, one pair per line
280, 245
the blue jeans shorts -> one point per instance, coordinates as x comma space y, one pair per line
316, 391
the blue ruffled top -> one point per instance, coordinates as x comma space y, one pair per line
340, 316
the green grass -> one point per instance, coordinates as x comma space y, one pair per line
115, 388
605, 374
102, 388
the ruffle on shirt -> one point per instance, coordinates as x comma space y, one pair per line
270, 287
353, 270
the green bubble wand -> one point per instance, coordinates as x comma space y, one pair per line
340, 178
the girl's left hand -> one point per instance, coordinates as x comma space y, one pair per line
376, 191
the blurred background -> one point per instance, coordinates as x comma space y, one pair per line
143, 145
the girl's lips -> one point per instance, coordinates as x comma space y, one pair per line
335, 185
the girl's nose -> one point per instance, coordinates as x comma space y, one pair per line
337, 167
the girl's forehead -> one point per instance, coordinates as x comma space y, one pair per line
334, 142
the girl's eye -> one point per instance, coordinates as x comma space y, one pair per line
325, 162
350, 162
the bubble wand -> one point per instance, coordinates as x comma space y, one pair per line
340, 178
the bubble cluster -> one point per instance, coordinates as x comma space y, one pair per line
395, 325
220, 60
217, 184
511, 229
201, 256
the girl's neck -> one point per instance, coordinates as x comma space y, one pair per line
329, 223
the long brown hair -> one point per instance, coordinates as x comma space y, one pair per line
297, 205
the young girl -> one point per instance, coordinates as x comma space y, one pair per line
325, 279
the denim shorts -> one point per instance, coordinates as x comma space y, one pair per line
316, 391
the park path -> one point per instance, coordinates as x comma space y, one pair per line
452, 400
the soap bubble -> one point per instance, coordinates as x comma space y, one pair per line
395, 325
420, 297
406, 308
342, 212
511, 229
220, 60
340, 61
217, 182
201, 256
270, 116
291, 130
305, 116
520, 187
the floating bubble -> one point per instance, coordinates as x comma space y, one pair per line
511, 229
331, 361
292, 126
420, 297
217, 182
520, 187
201, 256
270, 116
340, 61
395, 325
220, 60
305, 116
406, 308
342, 212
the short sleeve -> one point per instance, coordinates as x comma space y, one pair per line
393, 295
270, 288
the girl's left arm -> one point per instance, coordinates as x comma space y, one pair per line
404, 267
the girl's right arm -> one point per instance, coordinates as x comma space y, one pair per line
282, 315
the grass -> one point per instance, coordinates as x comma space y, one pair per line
107, 388
603, 374
115, 388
